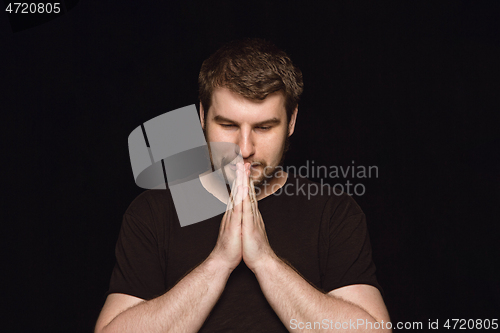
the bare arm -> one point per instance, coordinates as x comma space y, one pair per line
184, 308
296, 302
356, 308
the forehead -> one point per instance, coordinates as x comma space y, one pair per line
238, 108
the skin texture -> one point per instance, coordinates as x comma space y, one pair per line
242, 236
259, 128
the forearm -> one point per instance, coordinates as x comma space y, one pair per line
183, 308
295, 301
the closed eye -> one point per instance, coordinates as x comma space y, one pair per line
262, 128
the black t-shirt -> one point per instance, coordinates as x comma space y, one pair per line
324, 237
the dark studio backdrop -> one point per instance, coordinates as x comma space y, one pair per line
409, 87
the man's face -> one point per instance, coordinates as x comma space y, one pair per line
258, 128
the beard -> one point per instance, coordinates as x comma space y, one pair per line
262, 173
224, 156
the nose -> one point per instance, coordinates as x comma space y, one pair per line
246, 144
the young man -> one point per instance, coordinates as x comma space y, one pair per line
273, 262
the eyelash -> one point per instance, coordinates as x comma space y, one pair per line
264, 128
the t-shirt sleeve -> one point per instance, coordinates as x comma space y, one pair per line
138, 270
347, 253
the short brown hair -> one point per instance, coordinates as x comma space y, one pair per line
252, 68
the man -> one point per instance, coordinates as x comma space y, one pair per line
271, 263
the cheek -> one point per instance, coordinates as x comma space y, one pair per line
272, 148
212, 135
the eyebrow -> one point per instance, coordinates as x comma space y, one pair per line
272, 121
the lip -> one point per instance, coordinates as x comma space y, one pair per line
234, 167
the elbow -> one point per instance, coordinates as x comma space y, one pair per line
103, 328
99, 329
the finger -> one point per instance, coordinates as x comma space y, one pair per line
246, 175
230, 202
237, 209
239, 191
253, 197
227, 216
234, 190
248, 216
250, 194
239, 182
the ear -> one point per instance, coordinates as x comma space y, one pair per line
202, 116
293, 119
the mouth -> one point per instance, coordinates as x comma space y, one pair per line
233, 167
254, 165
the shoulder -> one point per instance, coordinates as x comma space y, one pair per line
151, 206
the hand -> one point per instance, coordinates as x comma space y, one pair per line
228, 247
256, 247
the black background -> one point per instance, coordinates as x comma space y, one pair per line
408, 86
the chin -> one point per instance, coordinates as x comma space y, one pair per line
259, 181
